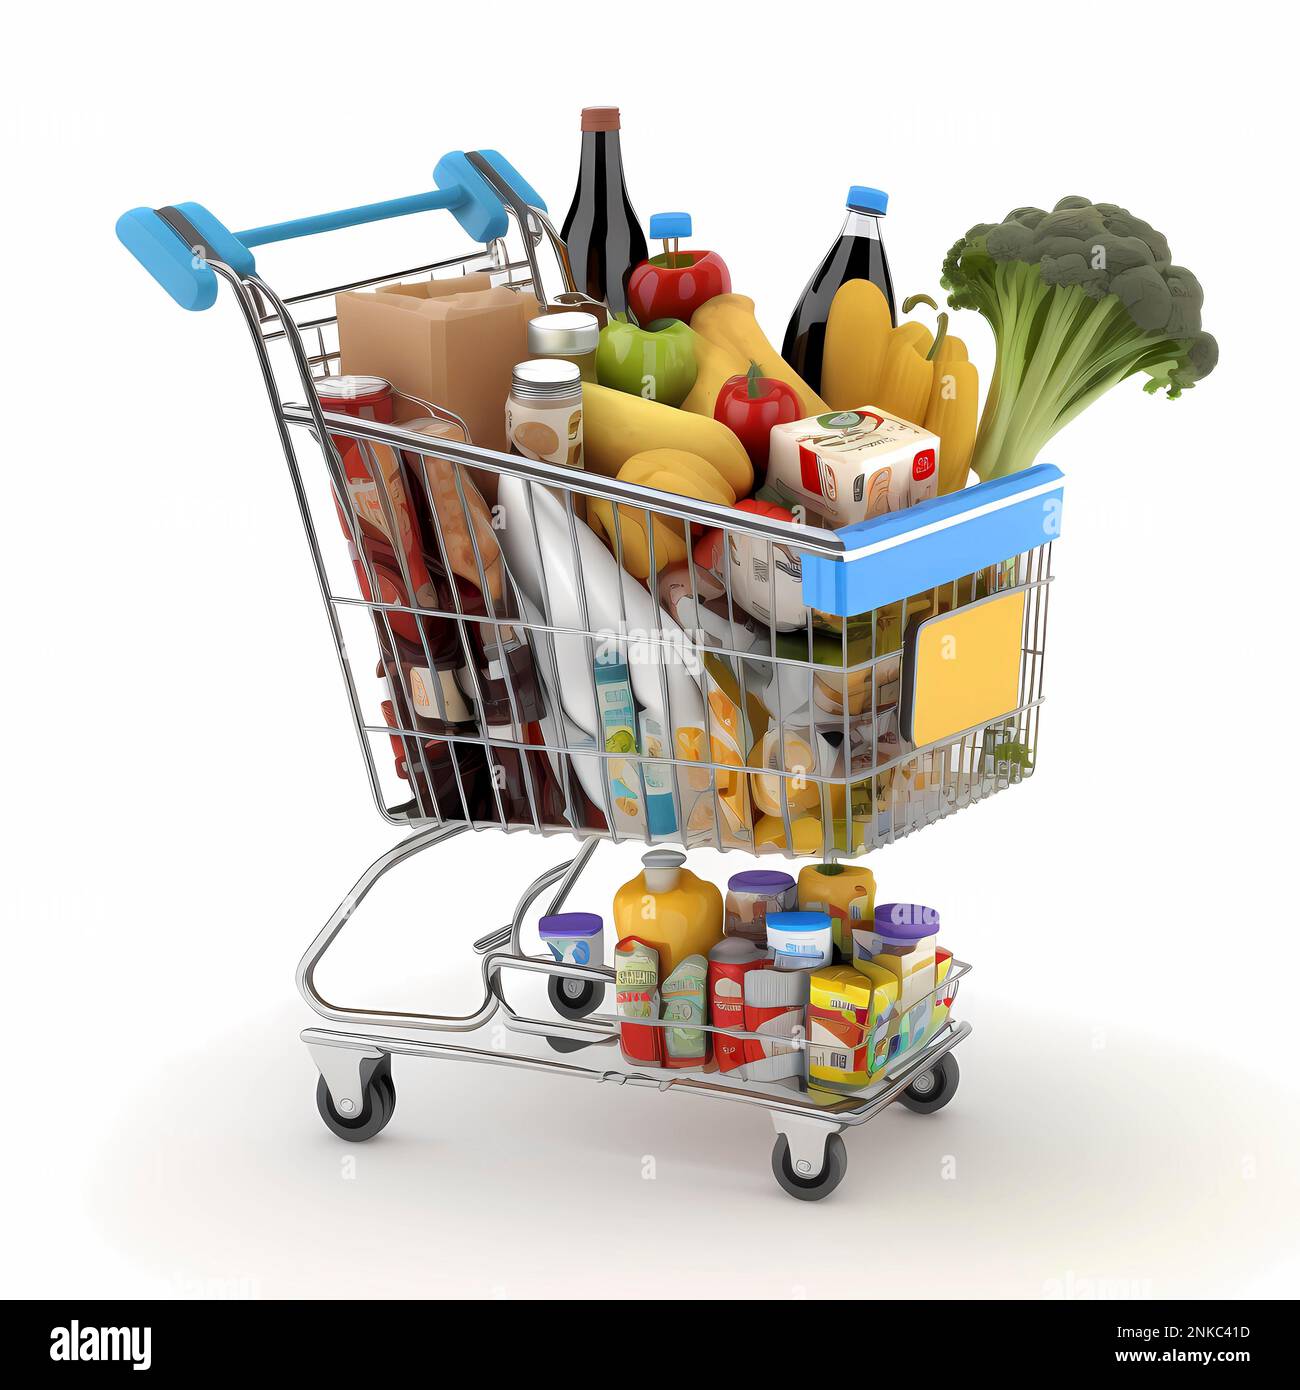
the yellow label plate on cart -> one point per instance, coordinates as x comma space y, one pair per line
962, 669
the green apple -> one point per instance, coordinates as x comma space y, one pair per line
657, 362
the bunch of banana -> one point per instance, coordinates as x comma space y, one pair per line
908, 371
617, 426
668, 470
727, 321
715, 365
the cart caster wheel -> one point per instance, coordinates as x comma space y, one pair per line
573, 998
567, 1044
933, 1089
807, 1189
377, 1106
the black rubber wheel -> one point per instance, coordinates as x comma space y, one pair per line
379, 1100
809, 1189
569, 1044
573, 998
933, 1089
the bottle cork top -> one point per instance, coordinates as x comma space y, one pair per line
600, 118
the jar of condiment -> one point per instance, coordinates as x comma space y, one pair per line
571, 336
544, 411
751, 896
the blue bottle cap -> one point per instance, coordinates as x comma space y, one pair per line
864, 199
798, 921
664, 226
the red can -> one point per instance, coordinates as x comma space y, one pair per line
729, 962
365, 397
371, 398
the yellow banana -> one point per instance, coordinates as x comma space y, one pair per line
617, 425
715, 364
668, 470
693, 469
857, 334
728, 320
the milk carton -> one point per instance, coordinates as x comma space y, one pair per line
848, 465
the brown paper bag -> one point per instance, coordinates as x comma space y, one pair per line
452, 342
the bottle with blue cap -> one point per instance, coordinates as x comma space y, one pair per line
858, 254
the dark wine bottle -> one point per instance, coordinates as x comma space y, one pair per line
602, 233
858, 254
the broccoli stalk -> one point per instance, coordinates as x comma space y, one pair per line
1079, 299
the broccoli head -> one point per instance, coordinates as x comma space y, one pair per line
1079, 298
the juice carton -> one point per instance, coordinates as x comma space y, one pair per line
884, 1043
942, 997
851, 1022
848, 465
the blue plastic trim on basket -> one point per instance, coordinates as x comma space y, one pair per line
935, 542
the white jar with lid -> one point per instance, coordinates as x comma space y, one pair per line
571, 335
544, 411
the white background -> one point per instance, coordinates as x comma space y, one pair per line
184, 803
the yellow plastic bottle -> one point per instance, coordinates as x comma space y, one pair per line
667, 907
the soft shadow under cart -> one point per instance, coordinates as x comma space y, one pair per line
916, 677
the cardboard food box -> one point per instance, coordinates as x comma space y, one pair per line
848, 465
852, 1021
453, 342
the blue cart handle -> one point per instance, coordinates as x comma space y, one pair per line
175, 244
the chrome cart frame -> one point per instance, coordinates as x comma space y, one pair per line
558, 599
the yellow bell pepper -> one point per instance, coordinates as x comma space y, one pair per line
953, 414
907, 374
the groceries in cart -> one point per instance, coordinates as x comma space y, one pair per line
689, 655
630, 571
807, 983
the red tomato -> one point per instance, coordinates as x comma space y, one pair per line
750, 406
673, 286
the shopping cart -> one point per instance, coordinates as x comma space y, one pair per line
896, 679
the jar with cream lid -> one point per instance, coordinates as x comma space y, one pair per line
571, 335
544, 411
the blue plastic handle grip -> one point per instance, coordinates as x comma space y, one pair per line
182, 269
350, 217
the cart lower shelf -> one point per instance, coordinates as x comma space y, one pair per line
356, 1095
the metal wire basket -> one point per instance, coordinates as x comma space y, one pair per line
787, 727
